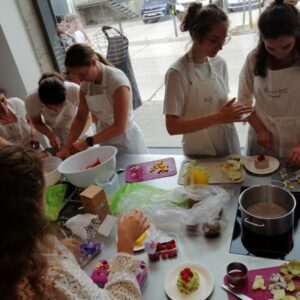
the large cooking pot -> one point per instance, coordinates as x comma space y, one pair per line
267, 209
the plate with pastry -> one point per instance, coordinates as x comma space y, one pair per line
190, 281
261, 164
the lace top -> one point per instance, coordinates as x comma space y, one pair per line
64, 279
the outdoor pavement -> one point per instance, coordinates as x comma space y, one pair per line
154, 47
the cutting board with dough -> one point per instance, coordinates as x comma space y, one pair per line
214, 171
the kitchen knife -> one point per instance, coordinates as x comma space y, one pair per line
235, 293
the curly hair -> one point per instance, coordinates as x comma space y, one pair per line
279, 19
199, 19
22, 223
52, 89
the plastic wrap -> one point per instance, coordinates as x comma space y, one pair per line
169, 210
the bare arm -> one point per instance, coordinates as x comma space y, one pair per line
3, 141
87, 125
121, 100
77, 127
229, 112
264, 137
44, 129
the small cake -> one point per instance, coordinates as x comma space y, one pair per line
261, 162
188, 281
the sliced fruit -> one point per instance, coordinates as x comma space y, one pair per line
234, 175
141, 239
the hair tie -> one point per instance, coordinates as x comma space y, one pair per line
290, 2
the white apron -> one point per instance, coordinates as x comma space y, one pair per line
278, 107
16, 133
206, 96
130, 142
60, 122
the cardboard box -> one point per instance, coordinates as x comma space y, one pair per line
94, 201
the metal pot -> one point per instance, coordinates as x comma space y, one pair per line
268, 226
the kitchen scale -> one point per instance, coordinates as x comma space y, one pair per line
283, 247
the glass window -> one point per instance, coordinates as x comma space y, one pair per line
143, 38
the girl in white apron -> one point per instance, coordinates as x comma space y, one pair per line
53, 107
196, 100
272, 74
106, 93
14, 127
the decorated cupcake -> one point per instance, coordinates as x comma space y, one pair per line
261, 162
188, 281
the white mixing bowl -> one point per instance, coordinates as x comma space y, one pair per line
52, 175
74, 167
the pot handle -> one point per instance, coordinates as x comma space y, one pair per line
246, 220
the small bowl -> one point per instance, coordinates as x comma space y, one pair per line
51, 173
237, 274
74, 167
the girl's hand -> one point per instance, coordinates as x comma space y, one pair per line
264, 139
294, 156
78, 147
54, 140
64, 153
232, 112
131, 226
73, 245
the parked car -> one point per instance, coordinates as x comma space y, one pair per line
227, 5
152, 10
238, 5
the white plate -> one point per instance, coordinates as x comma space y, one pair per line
206, 285
250, 165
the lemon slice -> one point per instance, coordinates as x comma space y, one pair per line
234, 175
199, 177
233, 165
141, 239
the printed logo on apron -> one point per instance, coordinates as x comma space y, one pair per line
278, 108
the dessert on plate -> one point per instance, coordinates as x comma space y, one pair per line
188, 281
261, 161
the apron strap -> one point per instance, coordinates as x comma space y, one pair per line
191, 67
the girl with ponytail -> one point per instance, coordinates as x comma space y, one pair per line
105, 91
196, 98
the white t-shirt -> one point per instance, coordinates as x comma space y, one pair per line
115, 78
60, 122
79, 37
177, 82
99, 98
19, 132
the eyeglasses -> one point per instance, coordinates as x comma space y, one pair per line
219, 41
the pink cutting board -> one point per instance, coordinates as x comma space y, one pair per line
144, 171
258, 294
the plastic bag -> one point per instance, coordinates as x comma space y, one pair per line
55, 195
168, 210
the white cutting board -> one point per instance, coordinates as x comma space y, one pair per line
213, 169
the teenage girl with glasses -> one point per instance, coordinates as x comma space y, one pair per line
196, 98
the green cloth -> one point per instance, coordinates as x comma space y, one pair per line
55, 195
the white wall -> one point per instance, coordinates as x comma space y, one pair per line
20, 64
10, 78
